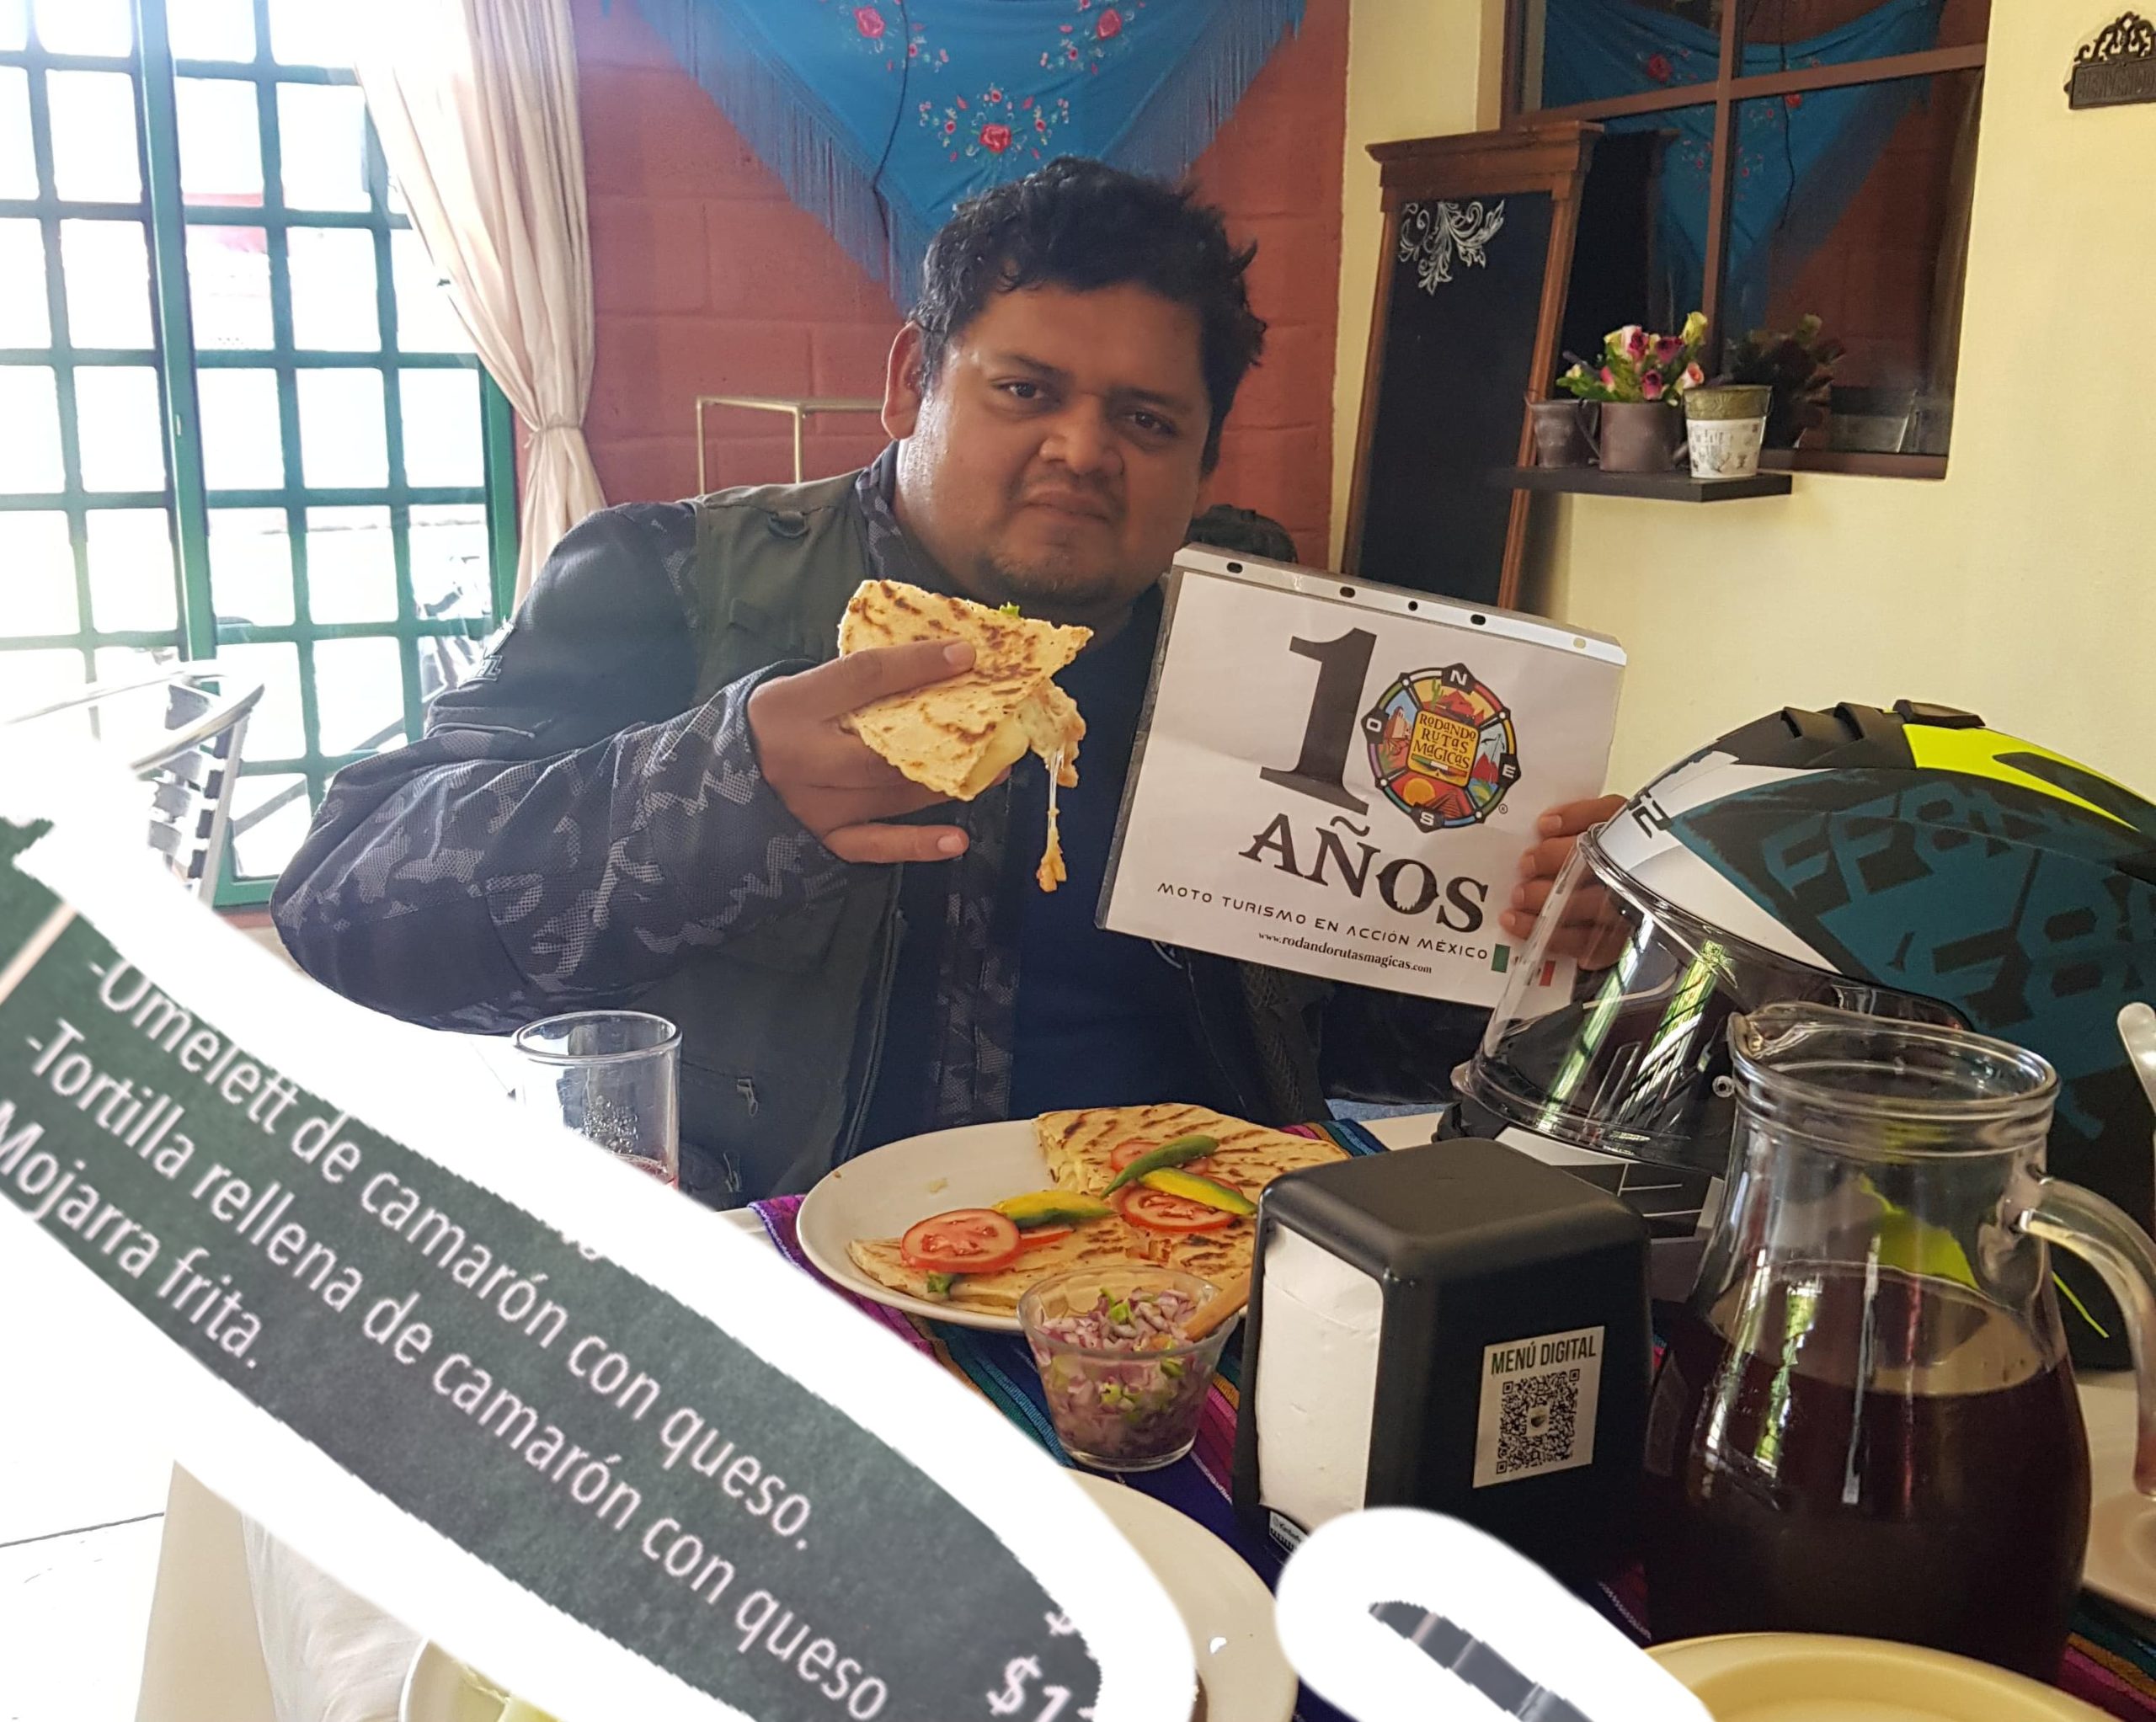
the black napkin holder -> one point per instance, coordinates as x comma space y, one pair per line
1458, 1327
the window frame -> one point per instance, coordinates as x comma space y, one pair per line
1725, 92
164, 218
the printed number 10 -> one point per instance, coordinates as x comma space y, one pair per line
1342, 665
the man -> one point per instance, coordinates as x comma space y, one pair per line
645, 795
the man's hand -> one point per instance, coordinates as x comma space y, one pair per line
1588, 932
833, 781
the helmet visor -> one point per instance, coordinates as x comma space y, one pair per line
1633, 1059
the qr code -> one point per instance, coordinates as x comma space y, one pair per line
1537, 1421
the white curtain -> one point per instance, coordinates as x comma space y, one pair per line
475, 101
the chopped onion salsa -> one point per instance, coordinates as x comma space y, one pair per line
1114, 1401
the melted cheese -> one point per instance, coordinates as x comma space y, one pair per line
1054, 727
1052, 871
1006, 748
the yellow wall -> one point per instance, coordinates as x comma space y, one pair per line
2024, 586
1416, 68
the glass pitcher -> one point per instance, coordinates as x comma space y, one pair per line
1865, 1422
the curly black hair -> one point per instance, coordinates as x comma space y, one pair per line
1084, 225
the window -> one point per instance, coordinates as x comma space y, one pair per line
238, 417
1803, 157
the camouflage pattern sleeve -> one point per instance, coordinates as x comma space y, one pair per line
573, 823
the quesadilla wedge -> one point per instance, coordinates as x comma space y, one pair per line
1081, 1148
1096, 1244
1154, 1220
958, 736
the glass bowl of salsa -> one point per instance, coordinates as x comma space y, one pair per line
1125, 1384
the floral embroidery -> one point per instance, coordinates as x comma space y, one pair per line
1098, 33
873, 26
996, 124
1673, 64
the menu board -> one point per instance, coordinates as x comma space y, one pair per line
1340, 779
1439, 427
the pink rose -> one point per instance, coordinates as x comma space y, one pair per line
1608, 378
1650, 386
1110, 24
1667, 348
869, 22
1632, 342
1694, 376
995, 138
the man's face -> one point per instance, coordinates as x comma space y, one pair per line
1056, 458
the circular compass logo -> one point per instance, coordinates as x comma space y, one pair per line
1441, 748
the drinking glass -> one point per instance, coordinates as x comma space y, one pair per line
612, 1076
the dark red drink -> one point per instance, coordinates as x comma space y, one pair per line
1943, 1504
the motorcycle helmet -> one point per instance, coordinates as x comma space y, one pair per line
1912, 862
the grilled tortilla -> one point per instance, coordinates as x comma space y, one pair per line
957, 736
1077, 1148
1080, 1146
1095, 1244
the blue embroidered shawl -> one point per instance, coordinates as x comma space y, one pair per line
881, 115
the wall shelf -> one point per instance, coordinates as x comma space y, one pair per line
1860, 465
1664, 487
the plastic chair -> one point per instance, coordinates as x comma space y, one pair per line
190, 757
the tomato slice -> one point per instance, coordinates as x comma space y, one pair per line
1159, 1211
1042, 1235
965, 1240
1129, 1151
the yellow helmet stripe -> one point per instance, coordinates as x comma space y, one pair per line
1975, 754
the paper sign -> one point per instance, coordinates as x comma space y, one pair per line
652, 1472
1341, 779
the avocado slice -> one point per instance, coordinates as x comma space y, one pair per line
1051, 1207
1203, 1190
939, 1284
1162, 1158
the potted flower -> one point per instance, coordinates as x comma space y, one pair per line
1640, 386
1798, 365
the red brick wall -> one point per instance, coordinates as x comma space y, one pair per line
708, 281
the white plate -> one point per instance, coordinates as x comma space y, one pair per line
1225, 1607
1223, 1604
886, 1189
2120, 1565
